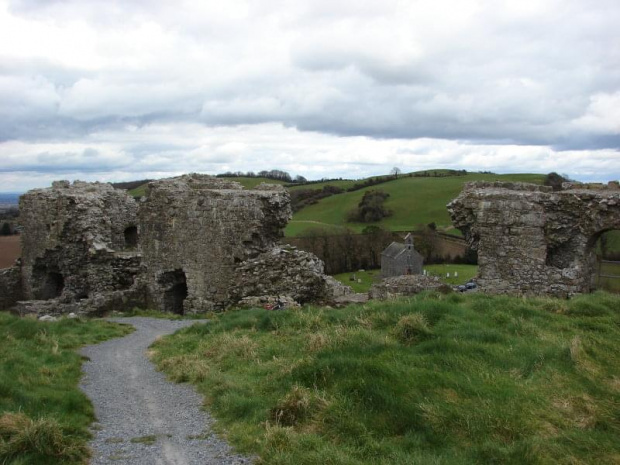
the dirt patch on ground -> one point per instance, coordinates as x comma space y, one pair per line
10, 250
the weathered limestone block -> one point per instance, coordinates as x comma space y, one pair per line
71, 240
10, 287
286, 271
532, 240
405, 285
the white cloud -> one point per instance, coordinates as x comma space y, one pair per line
602, 115
321, 87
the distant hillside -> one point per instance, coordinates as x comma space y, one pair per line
413, 200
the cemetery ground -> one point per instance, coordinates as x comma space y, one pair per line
436, 378
364, 279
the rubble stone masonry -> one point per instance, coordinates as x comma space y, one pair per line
194, 244
533, 240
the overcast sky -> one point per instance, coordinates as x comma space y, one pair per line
115, 90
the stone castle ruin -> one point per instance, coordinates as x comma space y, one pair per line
533, 240
194, 244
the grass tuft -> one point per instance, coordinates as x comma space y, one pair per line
298, 404
40, 440
411, 329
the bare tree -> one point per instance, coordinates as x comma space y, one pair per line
395, 171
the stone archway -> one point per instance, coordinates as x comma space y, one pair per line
532, 240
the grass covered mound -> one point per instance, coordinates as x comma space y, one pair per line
437, 379
414, 201
44, 417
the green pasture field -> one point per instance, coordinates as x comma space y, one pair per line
139, 191
433, 379
251, 183
414, 201
44, 417
342, 183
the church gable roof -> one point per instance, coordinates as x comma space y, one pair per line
394, 250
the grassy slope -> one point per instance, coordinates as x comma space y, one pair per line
414, 201
436, 379
44, 417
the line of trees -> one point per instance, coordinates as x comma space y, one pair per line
277, 175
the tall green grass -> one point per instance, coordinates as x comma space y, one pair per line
44, 417
435, 379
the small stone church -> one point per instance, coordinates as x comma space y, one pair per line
400, 259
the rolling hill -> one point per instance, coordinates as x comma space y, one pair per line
413, 201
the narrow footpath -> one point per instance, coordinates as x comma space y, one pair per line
142, 418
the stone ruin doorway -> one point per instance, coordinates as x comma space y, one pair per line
175, 291
605, 252
131, 237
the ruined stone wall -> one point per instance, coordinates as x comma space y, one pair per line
195, 243
10, 287
73, 243
532, 240
196, 229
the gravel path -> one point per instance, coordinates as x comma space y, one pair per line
142, 417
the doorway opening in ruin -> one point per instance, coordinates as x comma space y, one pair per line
131, 237
175, 291
52, 286
604, 252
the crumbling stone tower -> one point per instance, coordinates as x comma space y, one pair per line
79, 240
532, 240
195, 229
